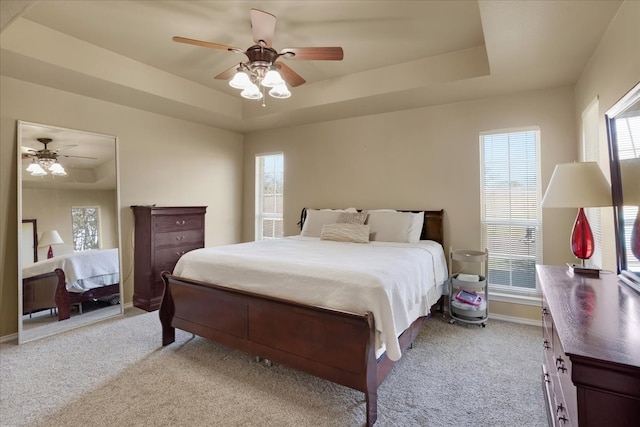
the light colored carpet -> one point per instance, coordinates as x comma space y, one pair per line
116, 373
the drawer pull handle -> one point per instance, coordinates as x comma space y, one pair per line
560, 407
546, 345
181, 223
560, 364
563, 419
180, 253
546, 378
545, 312
179, 238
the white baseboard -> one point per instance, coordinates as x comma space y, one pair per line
521, 320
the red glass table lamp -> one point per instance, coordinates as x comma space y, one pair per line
579, 185
50, 238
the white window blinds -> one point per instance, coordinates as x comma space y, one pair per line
269, 196
510, 197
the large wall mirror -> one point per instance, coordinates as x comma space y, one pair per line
623, 128
69, 230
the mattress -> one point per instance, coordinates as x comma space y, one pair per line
397, 282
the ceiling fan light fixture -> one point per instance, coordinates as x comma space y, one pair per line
252, 92
272, 79
240, 80
281, 91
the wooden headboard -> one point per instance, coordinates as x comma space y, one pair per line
432, 227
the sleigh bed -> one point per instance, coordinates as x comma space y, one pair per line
63, 281
341, 345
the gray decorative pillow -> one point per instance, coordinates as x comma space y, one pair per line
345, 232
352, 217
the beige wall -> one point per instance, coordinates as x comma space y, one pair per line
613, 70
426, 158
163, 160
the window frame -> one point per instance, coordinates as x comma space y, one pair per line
511, 289
259, 214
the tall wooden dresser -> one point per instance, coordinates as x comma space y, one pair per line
591, 340
162, 236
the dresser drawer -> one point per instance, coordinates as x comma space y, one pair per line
179, 238
178, 222
171, 255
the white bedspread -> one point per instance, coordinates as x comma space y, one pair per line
83, 270
395, 281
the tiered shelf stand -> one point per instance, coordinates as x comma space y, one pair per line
459, 261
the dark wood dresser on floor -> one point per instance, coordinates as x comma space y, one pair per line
162, 236
591, 339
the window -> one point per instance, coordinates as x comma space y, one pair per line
591, 153
511, 217
85, 222
269, 196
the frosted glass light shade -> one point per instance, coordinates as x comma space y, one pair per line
280, 91
240, 80
252, 92
57, 170
35, 169
577, 185
272, 79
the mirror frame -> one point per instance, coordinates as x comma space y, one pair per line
631, 97
117, 219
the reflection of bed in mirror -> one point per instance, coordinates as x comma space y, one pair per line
66, 280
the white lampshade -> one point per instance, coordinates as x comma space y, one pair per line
252, 92
280, 91
577, 185
51, 237
272, 79
240, 80
630, 177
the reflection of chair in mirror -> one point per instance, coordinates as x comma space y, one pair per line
38, 292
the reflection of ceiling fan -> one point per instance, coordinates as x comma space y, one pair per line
47, 160
262, 56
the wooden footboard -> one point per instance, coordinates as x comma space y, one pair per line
65, 299
330, 344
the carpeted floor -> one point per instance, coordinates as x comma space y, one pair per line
116, 373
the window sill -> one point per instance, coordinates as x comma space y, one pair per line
533, 299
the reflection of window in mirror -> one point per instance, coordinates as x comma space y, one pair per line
86, 227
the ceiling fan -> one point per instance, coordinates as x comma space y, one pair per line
263, 58
47, 160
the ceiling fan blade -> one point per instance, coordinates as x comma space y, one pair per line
263, 25
207, 44
227, 74
78, 157
288, 75
314, 53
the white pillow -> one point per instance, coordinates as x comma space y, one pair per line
316, 218
345, 232
393, 226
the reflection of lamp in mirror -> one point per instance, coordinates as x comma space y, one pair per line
50, 238
630, 177
579, 185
